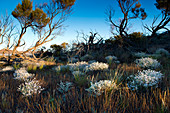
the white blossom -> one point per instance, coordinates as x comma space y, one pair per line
77, 66
22, 74
64, 87
145, 78
99, 87
96, 66
147, 63
30, 87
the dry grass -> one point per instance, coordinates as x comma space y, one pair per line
77, 100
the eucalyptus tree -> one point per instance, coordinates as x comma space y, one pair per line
46, 20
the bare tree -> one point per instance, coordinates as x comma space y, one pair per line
131, 10
6, 32
164, 6
46, 21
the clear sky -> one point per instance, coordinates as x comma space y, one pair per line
89, 15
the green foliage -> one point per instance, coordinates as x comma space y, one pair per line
23, 10
27, 17
39, 17
34, 68
139, 39
56, 49
65, 3
50, 59
81, 80
31, 67
136, 36
16, 66
64, 45
41, 66
118, 37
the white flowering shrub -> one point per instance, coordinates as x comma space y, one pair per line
96, 66
64, 87
77, 66
162, 52
82, 66
147, 63
30, 87
99, 87
22, 74
145, 78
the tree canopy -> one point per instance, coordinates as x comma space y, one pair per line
42, 19
25, 14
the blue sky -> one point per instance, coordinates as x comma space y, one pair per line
89, 15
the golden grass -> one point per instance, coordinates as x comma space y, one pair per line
77, 100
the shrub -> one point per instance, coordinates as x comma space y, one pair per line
30, 87
41, 66
110, 41
135, 35
162, 52
86, 57
31, 67
64, 87
22, 74
111, 59
61, 68
147, 63
140, 54
34, 68
78, 73
50, 59
145, 78
16, 66
96, 66
77, 66
80, 78
99, 87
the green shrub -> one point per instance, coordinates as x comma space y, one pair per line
31, 67
16, 66
50, 59
41, 66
